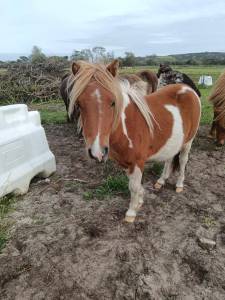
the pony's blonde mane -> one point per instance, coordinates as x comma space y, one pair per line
136, 91
217, 96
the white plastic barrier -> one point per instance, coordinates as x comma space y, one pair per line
205, 80
24, 151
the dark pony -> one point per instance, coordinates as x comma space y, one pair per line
167, 76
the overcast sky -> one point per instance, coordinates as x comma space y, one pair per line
141, 26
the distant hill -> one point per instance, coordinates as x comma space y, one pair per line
202, 57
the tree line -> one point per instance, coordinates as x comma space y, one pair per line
100, 54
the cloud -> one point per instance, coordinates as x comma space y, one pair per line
144, 27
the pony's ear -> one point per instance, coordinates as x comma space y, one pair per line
161, 65
75, 68
113, 67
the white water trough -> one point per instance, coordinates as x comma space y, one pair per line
205, 80
24, 151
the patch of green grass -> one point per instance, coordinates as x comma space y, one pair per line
89, 195
52, 112
207, 109
113, 185
209, 221
6, 205
3, 240
157, 168
52, 117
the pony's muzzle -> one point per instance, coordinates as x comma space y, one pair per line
100, 155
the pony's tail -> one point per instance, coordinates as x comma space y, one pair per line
151, 78
176, 162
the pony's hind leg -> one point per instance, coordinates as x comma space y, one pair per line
183, 158
137, 193
212, 132
165, 174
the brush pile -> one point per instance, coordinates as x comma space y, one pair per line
27, 82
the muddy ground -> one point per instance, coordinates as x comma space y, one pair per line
64, 246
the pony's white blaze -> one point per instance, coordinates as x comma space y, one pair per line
174, 143
97, 95
96, 148
126, 102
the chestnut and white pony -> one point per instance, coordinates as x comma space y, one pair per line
119, 121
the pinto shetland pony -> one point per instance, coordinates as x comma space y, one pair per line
217, 98
119, 121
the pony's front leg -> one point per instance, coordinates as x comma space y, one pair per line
137, 193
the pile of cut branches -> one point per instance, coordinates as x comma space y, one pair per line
27, 82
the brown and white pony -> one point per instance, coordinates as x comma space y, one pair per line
119, 121
217, 98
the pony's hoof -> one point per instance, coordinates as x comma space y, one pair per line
211, 136
158, 186
129, 219
179, 190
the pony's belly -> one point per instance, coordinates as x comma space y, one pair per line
174, 143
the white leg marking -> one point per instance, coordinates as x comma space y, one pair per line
174, 143
137, 192
166, 172
183, 158
126, 102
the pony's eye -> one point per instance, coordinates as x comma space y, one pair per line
113, 103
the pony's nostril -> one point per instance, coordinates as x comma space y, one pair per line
219, 144
106, 151
90, 153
